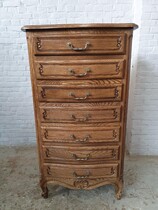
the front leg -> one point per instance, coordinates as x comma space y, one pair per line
43, 185
118, 189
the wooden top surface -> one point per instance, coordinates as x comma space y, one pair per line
73, 26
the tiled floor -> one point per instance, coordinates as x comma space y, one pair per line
19, 189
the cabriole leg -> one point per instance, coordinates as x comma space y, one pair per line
44, 188
118, 189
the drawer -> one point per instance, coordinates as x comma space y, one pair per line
57, 94
79, 114
80, 155
76, 172
80, 134
79, 69
81, 177
77, 44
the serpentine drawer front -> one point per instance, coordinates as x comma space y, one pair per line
80, 134
105, 43
84, 94
80, 80
85, 69
81, 154
77, 114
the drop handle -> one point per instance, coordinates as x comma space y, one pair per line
80, 98
73, 73
71, 46
85, 139
81, 158
84, 119
81, 176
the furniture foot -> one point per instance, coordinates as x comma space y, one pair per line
118, 190
44, 189
118, 194
45, 192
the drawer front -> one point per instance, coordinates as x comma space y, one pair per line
81, 154
51, 94
80, 115
81, 177
85, 44
80, 134
79, 69
80, 171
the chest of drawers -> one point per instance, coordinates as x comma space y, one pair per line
80, 80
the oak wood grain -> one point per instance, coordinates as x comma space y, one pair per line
80, 155
80, 134
80, 81
84, 69
74, 171
50, 94
80, 115
87, 44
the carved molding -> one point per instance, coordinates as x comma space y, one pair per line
119, 43
114, 153
116, 92
113, 170
39, 44
47, 152
81, 184
114, 134
43, 93
41, 69
115, 114
46, 134
45, 117
118, 68
48, 171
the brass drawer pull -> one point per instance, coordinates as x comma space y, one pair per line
81, 176
73, 73
80, 140
70, 45
80, 98
81, 158
84, 119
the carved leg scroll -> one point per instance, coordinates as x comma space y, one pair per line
44, 188
118, 189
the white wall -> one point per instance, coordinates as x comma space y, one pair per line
16, 110
144, 133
